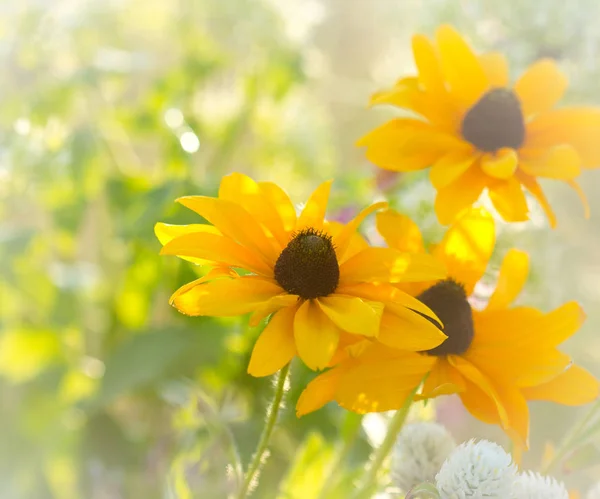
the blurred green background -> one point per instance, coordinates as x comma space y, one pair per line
110, 110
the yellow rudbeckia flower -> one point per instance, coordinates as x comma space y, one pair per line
476, 131
325, 287
495, 358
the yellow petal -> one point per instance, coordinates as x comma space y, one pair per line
167, 232
442, 380
390, 265
540, 87
534, 188
511, 279
575, 386
275, 346
313, 213
241, 189
395, 300
399, 231
582, 197
450, 167
409, 331
508, 198
501, 164
281, 202
467, 247
319, 391
463, 192
496, 68
560, 324
352, 314
216, 248
225, 297
428, 65
357, 242
562, 162
235, 222
462, 70
214, 273
316, 336
342, 240
382, 384
272, 305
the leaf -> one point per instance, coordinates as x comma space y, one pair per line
145, 358
423, 490
306, 474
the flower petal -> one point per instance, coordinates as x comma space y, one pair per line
501, 164
467, 247
462, 70
225, 297
390, 265
352, 314
342, 239
508, 198
314, 211
495, 67
442, 380
241, 189
216, 248
450, 167
399, 231
273, 305
316, 336
463, 192
275, 346
235, 222
534, 188
540, 87
381, 384
575, 386
428, 65
281, 202
409, 331
511, 279
167, 232
561, 162
319, 391
582, 197
559, 325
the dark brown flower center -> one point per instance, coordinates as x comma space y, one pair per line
308, 266
495, 121
449, 302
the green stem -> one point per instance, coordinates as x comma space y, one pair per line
379, 456
571, 437
260, 455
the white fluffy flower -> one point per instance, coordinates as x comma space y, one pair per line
594, 492
419, 453
532, 485
477, 469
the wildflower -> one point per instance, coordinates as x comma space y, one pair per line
419, 453
532, 485
478, 132
322, 285
477, 469
495, 359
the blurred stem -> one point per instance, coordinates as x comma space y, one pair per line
571, 438
260, 455
340, 457
378, 457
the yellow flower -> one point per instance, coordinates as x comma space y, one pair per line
476, 131
325, 287
495, 358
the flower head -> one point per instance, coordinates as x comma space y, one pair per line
477, 469
419, 453
477, 132
322, 285
496, 358
532, 485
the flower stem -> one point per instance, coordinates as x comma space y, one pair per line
260, 455
379, 456
571, 438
